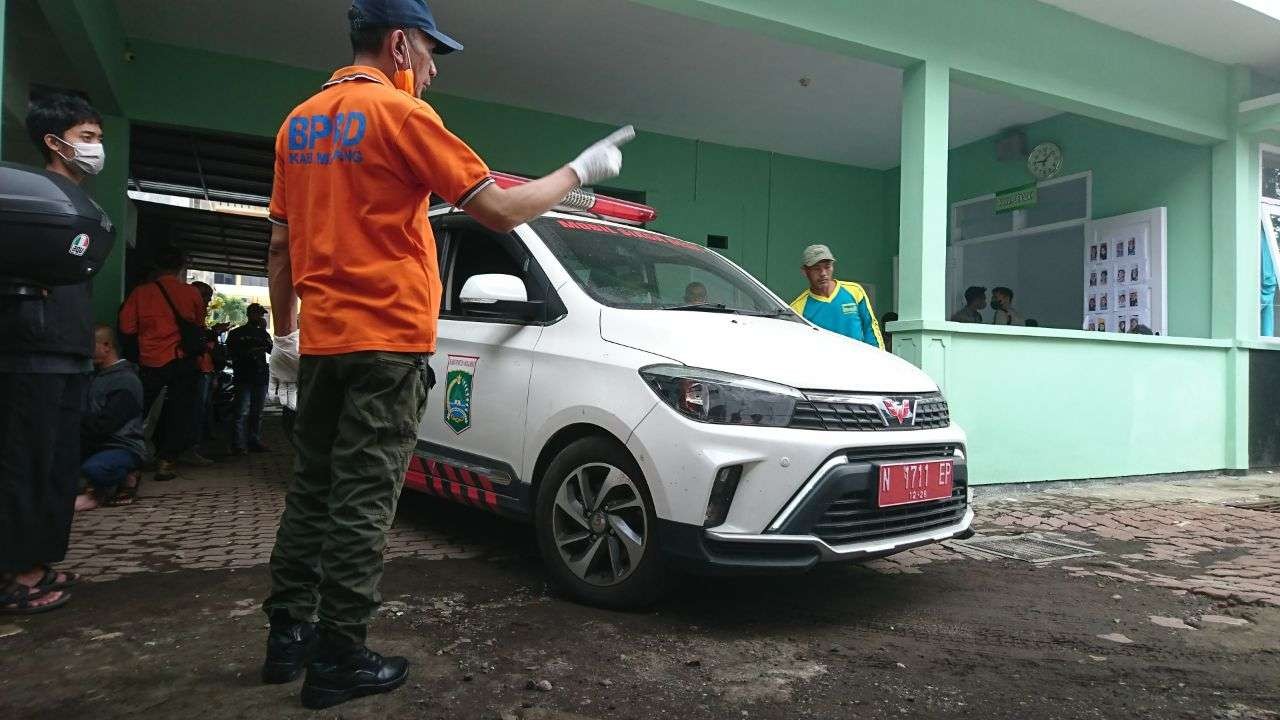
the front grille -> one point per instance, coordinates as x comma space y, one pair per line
931, 411
854, 517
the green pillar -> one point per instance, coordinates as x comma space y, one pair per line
922, 240
1235, 264
2, 70
922, 243
110, 189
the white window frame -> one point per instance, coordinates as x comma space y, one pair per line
955, 248
1020, 216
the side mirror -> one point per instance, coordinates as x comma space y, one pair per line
498, 296
490, 289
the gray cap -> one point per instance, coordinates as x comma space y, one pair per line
815, 254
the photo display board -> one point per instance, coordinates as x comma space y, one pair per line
1118, 280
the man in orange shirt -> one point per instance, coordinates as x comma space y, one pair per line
151, 314
356, 165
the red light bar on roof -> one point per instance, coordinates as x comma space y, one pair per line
585, 201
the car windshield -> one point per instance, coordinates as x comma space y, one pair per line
640, 269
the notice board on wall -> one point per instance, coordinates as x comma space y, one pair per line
1124, 273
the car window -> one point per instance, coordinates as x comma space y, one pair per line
640, 269
476, 251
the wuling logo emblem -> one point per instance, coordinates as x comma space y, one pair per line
902, 411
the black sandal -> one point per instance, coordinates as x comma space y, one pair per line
16, 599
49, 581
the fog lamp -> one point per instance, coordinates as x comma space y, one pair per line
722, 492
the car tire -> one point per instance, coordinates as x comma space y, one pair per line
606, 555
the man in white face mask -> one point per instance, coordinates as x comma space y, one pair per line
45, 359
77, 151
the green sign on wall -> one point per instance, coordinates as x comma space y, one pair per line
1023, 196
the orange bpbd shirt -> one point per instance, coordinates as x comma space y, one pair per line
145, 313
355, 168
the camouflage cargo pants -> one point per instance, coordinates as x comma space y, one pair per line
356, 425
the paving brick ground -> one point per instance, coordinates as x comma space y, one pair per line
1172, 614
220, 517
1182, 534
1196, 535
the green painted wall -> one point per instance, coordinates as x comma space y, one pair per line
1132, 171
1049, 405
1039, 405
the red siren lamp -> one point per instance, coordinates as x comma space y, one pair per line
585, 201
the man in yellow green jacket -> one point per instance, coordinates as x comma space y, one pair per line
836, 305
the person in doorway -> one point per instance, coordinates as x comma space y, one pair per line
836, 305
888, 336
975, 301
695, 293
206, 368
111, 429
154, 312
247, 347
1005, 313
351, 240
45, 360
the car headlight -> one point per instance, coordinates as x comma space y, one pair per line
717, 397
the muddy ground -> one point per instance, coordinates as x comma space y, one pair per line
959, 639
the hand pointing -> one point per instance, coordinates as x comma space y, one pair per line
602, 160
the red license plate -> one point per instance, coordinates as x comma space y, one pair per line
913, 482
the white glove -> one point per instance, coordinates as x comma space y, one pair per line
602, 160
284, 358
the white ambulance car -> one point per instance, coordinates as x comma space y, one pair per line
651, 407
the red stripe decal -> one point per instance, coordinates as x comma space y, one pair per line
486, 483
438, 486
415, 481
467, 477
433, 467
456, 489
448, 473
474, 496
491, 499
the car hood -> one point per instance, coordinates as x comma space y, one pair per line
782, 351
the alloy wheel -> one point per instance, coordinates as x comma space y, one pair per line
599, 524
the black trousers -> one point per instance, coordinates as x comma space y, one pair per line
39, 466
176, 431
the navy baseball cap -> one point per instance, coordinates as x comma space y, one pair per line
402, 14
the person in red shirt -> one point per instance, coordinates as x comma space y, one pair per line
150, 315
356, 165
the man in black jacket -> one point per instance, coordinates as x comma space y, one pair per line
247, 347
44, 362
111, 426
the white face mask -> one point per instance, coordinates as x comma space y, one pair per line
89, 157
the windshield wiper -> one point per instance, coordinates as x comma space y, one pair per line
703, 307
722, 308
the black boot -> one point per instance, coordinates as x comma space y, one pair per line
341, 672
289, 646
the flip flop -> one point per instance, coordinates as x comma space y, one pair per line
49, 581
19, 596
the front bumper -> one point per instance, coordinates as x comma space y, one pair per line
713, 552
833, 517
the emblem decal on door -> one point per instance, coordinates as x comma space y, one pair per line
460, 374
